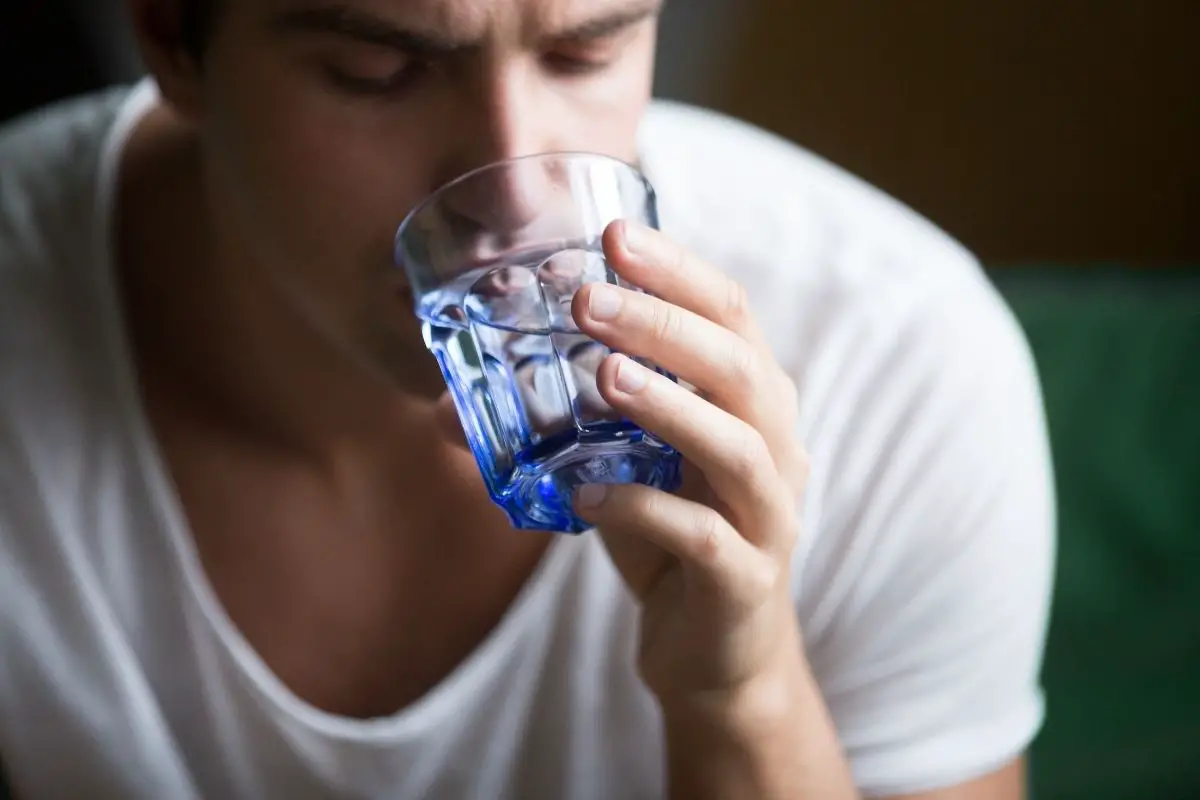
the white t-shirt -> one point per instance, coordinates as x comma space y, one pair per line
922, 582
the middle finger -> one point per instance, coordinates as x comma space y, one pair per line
718, 362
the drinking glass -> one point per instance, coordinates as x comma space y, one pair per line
493, 259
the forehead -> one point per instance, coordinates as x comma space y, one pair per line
479, 19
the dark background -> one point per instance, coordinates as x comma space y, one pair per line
45, 53
1034, 130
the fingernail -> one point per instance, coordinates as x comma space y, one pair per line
636, 237
604, 302
631, 376
590, 495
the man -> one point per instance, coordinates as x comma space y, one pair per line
235, 562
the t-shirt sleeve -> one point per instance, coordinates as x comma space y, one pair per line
924, 593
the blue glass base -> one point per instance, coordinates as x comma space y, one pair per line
537, 493
535, 421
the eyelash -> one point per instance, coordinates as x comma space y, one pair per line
396, 82
404, 77
566, 65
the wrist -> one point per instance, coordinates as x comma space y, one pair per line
760, 695
768, 737
753, 707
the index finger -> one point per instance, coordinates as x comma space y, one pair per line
652, 261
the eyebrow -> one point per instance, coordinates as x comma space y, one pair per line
343, 20
613, 22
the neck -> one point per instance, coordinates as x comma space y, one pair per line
215, 335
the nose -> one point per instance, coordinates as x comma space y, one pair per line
510, 121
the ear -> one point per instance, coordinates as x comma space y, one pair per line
157, 30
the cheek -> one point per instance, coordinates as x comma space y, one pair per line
614, 106
327, 179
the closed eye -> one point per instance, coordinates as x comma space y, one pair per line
582, 56
568, 65
357, 83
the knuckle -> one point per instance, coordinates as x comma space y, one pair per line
665, 321
737, 303
651, 505
633, 505
751, 456
743, 363
710, 537
763, 580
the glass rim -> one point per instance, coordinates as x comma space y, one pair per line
556, 155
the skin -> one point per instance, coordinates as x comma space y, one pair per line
307, 430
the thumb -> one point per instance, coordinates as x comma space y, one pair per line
640, 564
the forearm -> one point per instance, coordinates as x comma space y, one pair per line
772, 739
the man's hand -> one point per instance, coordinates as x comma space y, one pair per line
720, 642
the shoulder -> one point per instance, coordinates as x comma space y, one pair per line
819, 250
52, 199
852, 287
53, 223
905, 356
52, 309
49, 159
51, 219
